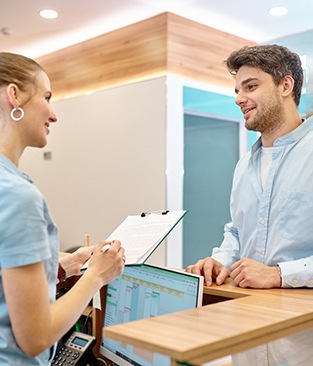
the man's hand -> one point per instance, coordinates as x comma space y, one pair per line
210, 269
250, 273
73, 262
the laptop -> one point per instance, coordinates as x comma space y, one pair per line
144, 291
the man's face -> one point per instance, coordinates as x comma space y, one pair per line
259, 100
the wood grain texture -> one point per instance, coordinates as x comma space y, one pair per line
197, 51
157, 46
250, 318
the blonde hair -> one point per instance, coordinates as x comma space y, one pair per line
19, 70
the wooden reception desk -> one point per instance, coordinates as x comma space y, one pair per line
231, 320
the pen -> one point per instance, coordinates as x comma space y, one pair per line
106, 247
85, 266
87, 240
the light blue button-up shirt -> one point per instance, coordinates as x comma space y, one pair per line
274, 225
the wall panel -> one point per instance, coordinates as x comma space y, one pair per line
160, 45
108, 160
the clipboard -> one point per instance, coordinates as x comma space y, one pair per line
141, 234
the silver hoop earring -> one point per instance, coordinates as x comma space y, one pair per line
21, 111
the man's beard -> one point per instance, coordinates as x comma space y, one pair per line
269, 118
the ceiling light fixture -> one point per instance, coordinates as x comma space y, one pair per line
278, 11
48, 14
6, 31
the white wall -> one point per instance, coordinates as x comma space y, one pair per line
108, 161
115, 153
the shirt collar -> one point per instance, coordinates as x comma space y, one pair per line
289, 138
8, 165
295, 135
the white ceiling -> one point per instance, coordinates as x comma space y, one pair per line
84, 19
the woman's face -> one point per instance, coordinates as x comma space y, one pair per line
38, 113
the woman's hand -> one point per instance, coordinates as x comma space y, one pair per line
106, 266
73, 262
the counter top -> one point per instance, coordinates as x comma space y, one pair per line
247, 317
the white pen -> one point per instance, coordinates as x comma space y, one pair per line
105, 247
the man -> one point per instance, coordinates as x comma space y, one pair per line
269, 242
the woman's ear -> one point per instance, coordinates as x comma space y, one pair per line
288, 85
14, 95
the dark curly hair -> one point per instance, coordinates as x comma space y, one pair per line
278, 61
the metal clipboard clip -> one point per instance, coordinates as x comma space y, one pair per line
144, 214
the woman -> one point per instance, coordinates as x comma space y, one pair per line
31, 321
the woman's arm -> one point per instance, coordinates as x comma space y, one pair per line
73, 262
36, 323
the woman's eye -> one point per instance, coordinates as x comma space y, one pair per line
48, 97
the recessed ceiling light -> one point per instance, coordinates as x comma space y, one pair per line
48, 14
278, 11
6, 31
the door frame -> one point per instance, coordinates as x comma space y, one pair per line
175, 114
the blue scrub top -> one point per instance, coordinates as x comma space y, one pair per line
27, 235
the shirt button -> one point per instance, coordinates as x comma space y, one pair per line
263, 221
260, 250
294, 282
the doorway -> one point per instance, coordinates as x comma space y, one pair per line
211, 151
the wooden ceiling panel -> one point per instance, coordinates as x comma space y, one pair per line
157, 46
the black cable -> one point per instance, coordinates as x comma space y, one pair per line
83, 330
102, 362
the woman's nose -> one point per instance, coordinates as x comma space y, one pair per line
53, 117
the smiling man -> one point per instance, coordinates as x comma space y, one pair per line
269, 242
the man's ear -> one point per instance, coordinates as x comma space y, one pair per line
287, 85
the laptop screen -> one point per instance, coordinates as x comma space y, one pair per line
141, 292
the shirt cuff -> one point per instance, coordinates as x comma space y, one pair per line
296, 273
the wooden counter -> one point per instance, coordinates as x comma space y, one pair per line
248, 318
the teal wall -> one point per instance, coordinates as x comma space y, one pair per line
302, 105
221, 105
209, 102
213, 103
211, 151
